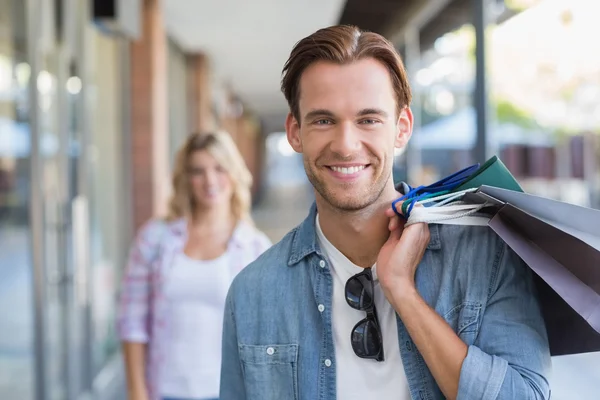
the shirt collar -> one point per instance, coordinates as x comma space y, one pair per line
305, 241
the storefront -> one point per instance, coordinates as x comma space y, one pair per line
63, 199
95, 99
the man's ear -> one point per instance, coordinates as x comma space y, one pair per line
404, 128
292, 129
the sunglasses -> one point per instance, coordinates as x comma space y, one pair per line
366, 334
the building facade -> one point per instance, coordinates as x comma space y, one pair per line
95, 98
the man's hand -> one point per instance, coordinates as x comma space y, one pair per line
401, 254
441, 348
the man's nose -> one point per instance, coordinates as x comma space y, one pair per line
346, 140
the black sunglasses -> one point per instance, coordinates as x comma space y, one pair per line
366, 334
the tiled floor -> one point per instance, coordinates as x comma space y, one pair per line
16, 315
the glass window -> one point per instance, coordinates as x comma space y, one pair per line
107, 201
443, 85
16, 308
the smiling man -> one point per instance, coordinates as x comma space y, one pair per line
352, 305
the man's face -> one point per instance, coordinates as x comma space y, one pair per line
347, 131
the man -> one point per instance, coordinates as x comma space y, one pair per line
445, 311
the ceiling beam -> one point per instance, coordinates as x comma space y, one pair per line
421, 17
374, 15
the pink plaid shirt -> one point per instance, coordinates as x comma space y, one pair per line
142, 315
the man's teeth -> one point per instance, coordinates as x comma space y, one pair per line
348, 170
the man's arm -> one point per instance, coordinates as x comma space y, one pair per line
510, 355
510, 358
443, 351
232, 379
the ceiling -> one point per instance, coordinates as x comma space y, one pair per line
457, 13
248, 42
385, 17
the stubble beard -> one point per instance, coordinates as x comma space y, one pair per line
351, 200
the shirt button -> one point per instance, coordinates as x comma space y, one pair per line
328, 363
322, 264
270, 351
321, 308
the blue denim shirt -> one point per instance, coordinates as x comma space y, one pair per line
277, 345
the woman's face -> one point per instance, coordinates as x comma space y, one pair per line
210, 183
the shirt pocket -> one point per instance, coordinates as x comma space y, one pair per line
270, 371
464, 320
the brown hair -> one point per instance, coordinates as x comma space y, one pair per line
342, 44
222, 147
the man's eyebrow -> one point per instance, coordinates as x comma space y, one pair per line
318, 113
372, 111
321, 112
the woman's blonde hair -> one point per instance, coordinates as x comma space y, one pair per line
222, 147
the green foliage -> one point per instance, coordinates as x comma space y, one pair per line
507, 112
519, 5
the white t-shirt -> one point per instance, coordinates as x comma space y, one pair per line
196, 292
359, 378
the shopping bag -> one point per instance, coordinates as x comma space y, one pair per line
492, 173
560, 242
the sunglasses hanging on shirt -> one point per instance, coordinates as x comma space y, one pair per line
366, 335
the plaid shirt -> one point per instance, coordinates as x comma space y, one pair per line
142, 315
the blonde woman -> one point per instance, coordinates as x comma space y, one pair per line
180, 268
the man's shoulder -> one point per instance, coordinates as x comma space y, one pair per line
469, 262
468, 238
469, 251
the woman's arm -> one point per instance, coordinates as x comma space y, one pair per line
135, 368
134, 310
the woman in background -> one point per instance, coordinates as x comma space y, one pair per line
180, 269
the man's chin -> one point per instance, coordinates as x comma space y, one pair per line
349, 203
345, 196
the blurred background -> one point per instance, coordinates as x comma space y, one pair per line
96, 96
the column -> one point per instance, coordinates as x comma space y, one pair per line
201, 116
412, 61
149, 117
480, 96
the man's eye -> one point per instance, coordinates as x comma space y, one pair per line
323, 122
369, 121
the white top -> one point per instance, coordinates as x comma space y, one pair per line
359, 378
195, 291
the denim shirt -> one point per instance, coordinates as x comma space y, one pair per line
278, 343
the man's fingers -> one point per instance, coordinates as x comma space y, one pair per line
418, 234
395, 233
394, 223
